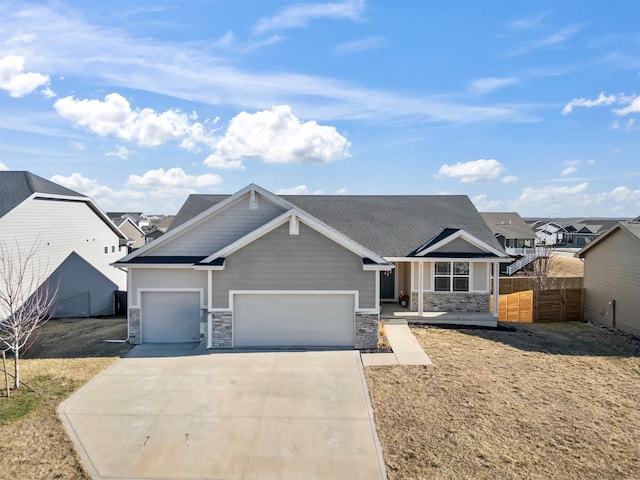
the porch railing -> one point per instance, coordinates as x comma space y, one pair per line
529, 257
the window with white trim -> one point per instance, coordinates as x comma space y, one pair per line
451, 277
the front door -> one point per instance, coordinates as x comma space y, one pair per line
388, 285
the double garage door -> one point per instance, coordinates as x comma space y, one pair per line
276, 320
259, 319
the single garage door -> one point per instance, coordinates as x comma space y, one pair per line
277, 320
170, 317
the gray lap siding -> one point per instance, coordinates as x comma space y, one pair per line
280, 261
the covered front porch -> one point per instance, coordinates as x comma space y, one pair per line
453, 291
394, 312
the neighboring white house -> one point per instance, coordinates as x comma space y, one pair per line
550, 233
76, 241
612, 277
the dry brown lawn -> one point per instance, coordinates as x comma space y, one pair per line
563, 266
547, 401
66, 354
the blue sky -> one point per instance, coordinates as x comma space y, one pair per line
523, 106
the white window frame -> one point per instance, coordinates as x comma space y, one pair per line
452, 276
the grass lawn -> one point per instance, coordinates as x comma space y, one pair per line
64, 356
563, 266
545, 401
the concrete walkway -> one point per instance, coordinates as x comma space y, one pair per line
180, 412
406, 349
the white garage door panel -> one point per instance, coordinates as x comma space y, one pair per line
271, 320
170, 317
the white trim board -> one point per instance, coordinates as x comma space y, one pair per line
209, 212
465, 236
141, 290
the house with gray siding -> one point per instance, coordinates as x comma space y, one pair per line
76, 242
255, 269
612, 277
513, 233
128, 225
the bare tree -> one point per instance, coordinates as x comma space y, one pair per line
26, 301
543, 267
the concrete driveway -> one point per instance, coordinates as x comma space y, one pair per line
180, 412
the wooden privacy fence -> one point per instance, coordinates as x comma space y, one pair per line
521, 284
555, 305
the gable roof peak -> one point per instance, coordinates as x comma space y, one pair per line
17, 186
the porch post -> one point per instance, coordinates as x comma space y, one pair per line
378, 305
420, 288
496, 289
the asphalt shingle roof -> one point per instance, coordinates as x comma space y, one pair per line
395, 225
194, 205
17, 186
390, 225
508, 224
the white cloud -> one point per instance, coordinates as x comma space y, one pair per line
583, 102
481, 170
576, 200
483, 204
15, 81
361, 45
78, 145
552, 193
229, 42
156, 191
568, 171
114, 116
101, 194
566, 201
528, 23
67, 45
299, 190
633, 107
591, 161
342, 191
3, 167
300, 15
557, 38
483, 86
572, 163
632, 103
47, 92
216, 161
277, 136
509, 179
623, 194
172, 178
121, 152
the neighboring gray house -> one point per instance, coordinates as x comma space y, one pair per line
256, 269
76, 241
515, 236
586, 230
513, 233
612, 277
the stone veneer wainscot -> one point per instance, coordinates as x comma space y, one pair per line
134, 326
451, 302
367, 330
